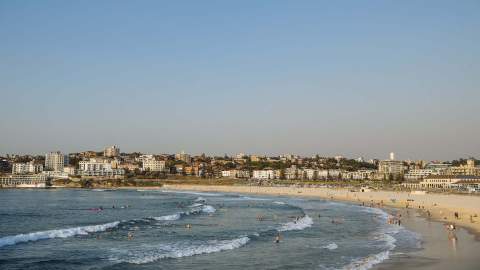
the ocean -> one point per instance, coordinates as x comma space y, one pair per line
158, 229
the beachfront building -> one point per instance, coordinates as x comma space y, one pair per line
98, 167
111, 151
359, 175
238, 174
448, 181
28, 180
263, 174
55, 161
419, 174
55, 174
391, 168
291, 173
26, 168
153, 165
329, 174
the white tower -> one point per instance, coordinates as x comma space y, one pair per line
392, 156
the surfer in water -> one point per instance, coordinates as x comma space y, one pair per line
277, 238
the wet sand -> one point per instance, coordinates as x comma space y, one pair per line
438, 250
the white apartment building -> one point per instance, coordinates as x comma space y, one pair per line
98, 167
310, 174
55, 174
418, 174
394, 167
55, 161
329, 174
359, 175
25, 168
111, 151
263, 174
153, 165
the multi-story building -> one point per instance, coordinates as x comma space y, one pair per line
111, 151
447, 181
25, 168
98, 167
390, 168
418, 174
359, 175
153, 165
291, 173
183, 157
468, 169
263, 174
55, 161
28, 180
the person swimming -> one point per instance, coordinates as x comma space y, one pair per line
277, 238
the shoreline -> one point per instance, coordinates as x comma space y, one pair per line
437, 250
442, 207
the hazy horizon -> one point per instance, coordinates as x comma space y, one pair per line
352, 78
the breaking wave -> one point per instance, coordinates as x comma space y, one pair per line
60, 233
331, 246
297, 225
178, 250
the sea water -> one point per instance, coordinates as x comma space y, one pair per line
158, 229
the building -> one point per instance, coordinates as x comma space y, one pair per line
99, 168
55, 161
419, 174
448, 181
263, 174
70, 170
183, 157
29, 180
4, 165
391, 167
111, 151
468, 169
153, 165
26, 168
359, 175
55, 174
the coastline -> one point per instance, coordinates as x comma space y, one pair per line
437, 251
441, 207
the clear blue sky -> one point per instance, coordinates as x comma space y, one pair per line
357, 78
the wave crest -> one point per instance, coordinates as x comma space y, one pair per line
60, 233
179, 250
302, 223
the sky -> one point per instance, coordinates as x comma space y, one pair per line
352, 78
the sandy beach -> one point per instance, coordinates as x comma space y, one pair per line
438, 251
441, 207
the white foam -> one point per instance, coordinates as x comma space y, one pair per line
179, 250
331, 246
168, 217
60, 233
208, 209
195, 205
192, 192
368, 262
280, 203
298, 225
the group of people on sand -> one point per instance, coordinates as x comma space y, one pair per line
397, 220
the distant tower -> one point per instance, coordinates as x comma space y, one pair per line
392, 156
